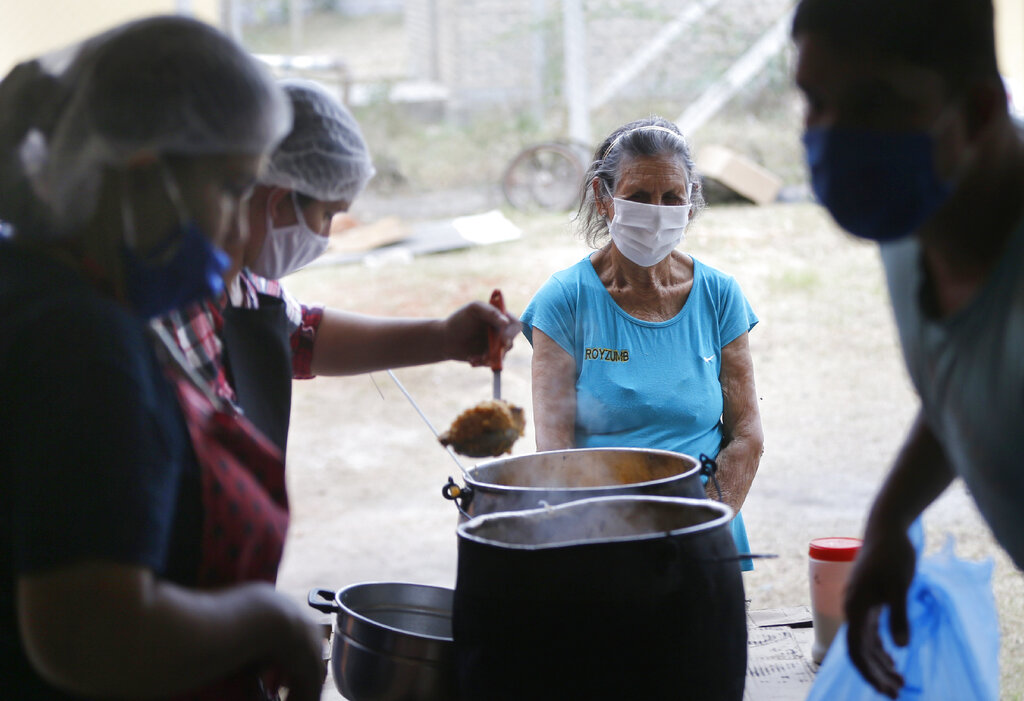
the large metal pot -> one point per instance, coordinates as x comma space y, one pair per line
558, 476
392, 641
629, 597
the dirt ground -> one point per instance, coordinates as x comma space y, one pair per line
365, 473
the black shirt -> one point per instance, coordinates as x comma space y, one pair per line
95, 460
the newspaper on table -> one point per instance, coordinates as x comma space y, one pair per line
778, 668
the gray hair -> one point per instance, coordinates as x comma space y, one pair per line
653, 136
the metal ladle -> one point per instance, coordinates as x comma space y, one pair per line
433, 430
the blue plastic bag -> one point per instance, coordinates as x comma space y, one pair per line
953, 651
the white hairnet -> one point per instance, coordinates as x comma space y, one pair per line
324, 156
164, 85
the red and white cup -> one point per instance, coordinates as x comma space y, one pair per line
831, 560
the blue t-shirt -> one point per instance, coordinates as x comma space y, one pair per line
645, 384
95, 459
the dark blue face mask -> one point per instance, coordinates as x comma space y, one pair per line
156, 285
877, 185
183, 268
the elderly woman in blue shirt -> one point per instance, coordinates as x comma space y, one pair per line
640, 344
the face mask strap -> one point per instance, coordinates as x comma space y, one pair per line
300, 216
173, 192
127, 216
608, 194
128, 211
242, 217
940, 124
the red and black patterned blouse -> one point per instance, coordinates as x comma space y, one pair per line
196, 329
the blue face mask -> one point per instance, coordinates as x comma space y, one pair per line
191, 271
184, 267
876, 185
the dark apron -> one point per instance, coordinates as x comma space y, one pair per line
258, 363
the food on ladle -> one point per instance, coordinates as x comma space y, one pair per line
488, 429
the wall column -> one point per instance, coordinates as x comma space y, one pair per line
1010, 46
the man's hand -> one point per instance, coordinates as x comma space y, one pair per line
465, 332
880, 577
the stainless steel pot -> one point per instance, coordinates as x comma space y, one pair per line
558, 476
392, 641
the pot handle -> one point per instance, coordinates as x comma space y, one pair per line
323, 600
462, 496
742, 556
709, 467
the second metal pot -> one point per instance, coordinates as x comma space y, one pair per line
392, 641
559, 476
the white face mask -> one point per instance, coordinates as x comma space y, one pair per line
647, 233
288, 248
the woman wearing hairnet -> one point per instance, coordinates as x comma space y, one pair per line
141, 519
250, 344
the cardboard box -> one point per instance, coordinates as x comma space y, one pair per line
739, 174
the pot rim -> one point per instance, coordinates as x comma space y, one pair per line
344, 610
725, 515
470, 474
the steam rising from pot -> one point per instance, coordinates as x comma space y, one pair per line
598, 519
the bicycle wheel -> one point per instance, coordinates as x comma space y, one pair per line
543, 176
